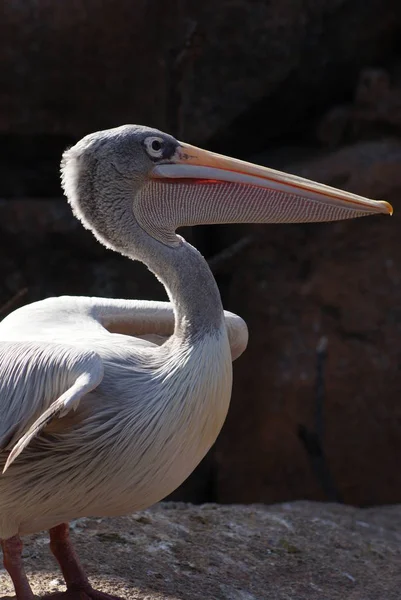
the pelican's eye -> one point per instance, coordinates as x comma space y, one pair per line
154, 146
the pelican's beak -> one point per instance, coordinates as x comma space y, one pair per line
290, 198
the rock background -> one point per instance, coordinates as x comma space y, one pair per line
299, 551
76, 67
308, 87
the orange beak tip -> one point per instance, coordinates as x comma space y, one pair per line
388, 207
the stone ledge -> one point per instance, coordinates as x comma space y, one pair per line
295, 551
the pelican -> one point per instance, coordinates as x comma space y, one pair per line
107, 406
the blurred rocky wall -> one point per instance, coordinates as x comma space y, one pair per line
196, 67
309, 87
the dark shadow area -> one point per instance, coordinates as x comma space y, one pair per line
30, 165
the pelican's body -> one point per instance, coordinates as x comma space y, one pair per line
106, 406
141, 431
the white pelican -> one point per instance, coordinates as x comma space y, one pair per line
97, 415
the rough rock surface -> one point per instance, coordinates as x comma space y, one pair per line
183, 65
300, 551
375, 110
294, 286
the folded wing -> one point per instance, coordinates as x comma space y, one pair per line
39, 382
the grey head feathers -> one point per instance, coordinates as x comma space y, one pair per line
102, 173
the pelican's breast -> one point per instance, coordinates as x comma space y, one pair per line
171, 417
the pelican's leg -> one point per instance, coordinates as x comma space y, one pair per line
12, 553
63, 550
78, 585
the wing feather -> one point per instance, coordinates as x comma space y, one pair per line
40, 381
154, 321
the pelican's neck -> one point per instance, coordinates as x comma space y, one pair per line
191, 288
185, 275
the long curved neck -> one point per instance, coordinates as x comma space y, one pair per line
191, 288
184, 273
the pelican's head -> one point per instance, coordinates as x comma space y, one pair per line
166, 184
